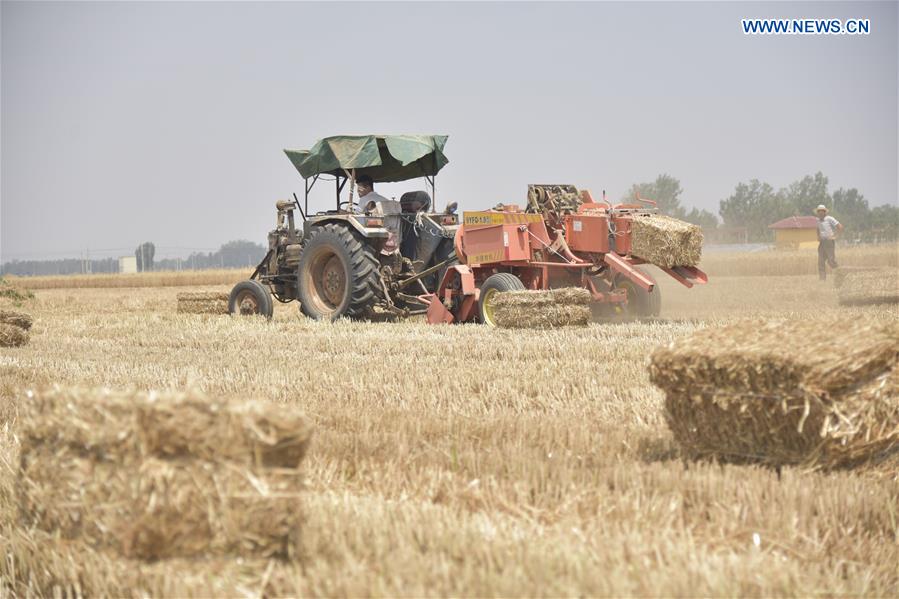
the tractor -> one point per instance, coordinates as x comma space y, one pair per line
563, 238
341, 263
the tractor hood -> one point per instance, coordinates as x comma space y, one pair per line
381, 157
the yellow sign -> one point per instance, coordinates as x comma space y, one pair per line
489, 219
486, 257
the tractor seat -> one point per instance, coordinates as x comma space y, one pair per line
415, 201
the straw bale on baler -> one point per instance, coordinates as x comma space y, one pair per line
666, 241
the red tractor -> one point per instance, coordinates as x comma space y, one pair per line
563, 239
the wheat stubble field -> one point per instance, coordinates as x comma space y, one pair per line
467, 461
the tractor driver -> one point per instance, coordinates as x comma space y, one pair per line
373, 203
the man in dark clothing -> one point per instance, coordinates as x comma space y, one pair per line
828, 230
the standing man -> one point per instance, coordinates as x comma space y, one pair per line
371, 202
828, 230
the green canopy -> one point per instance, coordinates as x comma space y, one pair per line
381, 157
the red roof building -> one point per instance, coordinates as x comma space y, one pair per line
795, 232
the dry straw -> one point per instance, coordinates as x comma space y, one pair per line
205, 302
158, 509
866, 287
666, 241
160, 476
15, 318
821, 392
568, 306
12, 336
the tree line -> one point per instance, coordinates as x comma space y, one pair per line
755, 204
233, 254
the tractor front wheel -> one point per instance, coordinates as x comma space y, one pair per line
498, 283
249, 298
337, 275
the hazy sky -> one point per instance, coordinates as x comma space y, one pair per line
124, 122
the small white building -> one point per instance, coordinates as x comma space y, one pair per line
128, 264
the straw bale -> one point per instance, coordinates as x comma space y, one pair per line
865, 287
542, 309
15, 318
203, 306
823, 393
202, 296
160, 509
50, 566
666, 241
820, 355
130, 426
12, 336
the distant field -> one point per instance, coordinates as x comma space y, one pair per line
466, 461
764, 263
777, 263
164, 278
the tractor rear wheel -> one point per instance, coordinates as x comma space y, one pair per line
498, 283
338, 275
250, 297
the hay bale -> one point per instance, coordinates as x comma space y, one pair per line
823, 393
153, 476
18, 319
203, 302
161, 509
867, 287
568, 306
130, 426
12, 336
203, 296
665, 241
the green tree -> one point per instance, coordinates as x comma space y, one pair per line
851, 208
806, 194
884, 223
665, 191
705, 219
753, 205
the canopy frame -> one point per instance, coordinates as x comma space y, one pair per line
388, 158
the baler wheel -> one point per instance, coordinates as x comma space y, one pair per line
498, 283
641, 303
